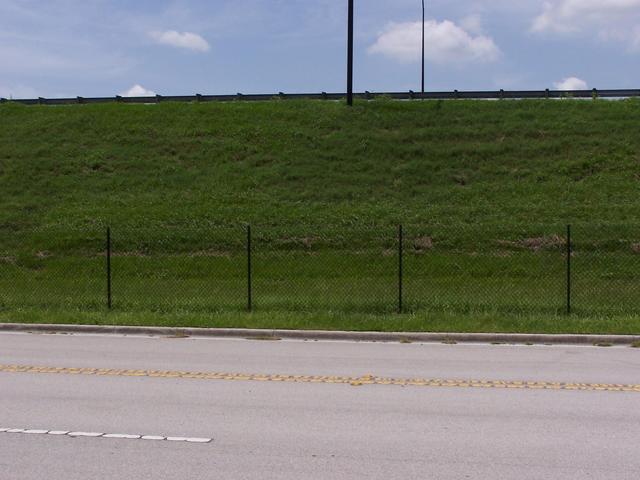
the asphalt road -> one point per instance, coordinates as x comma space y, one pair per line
320, 425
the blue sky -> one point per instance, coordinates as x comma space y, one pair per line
55, 48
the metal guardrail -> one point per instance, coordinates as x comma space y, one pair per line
410, 95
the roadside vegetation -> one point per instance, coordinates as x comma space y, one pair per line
484, 189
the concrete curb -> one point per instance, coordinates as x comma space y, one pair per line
506, 338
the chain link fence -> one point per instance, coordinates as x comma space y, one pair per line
583, 270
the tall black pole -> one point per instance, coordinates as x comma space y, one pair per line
423, 47
350, 57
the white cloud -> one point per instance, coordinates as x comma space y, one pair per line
445, 42
611, 20
187, 40
472, 24
138, 91
571, 83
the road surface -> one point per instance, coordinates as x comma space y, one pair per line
313, 410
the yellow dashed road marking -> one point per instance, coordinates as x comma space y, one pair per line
354, 381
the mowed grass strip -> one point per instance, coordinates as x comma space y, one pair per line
340, 281
425, 321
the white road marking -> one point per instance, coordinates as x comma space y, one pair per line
118, 436
198, 440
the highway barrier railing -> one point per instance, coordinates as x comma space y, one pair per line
409, 95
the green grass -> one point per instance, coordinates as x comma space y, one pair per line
318, 163
347, 282
481, 321
484, 190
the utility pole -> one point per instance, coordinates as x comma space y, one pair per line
422, 47
350, 57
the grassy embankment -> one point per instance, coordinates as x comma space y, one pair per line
483, 188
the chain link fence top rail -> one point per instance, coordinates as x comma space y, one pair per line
533, 269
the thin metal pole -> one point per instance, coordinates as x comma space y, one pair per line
569, 248
350, 56
249, 271
423, 16
109, 302
400, 266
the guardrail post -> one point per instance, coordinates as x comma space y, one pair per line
400, 267
109, 301
350, 20
569, 251
249, 271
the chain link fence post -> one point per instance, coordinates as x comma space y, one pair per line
249, 271
400, 267
109, 299
569, 248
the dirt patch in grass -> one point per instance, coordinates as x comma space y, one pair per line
423, 244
